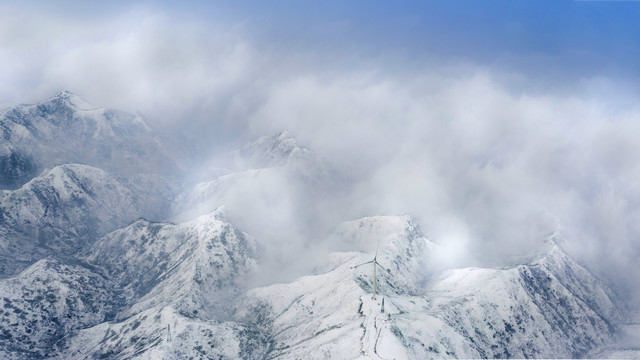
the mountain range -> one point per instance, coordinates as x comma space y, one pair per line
106, 251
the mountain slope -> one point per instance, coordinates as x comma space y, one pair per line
164, 333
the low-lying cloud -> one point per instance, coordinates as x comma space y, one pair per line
488, 171
488, 165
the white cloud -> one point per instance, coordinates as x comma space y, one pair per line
488, 165
509, 168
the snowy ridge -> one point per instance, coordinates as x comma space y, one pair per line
66, 98
163, 333
161, 277
177, 281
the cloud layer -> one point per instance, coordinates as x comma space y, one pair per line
494, 170
490, 162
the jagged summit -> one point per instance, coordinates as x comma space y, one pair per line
71, 100
271, 151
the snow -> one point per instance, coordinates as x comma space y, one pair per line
66, 208
189, 338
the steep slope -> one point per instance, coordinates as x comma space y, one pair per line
550, 308
47, 303
528, 311
198, 266
160, 277
66, 129
67, 208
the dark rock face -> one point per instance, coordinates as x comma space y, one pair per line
16, 168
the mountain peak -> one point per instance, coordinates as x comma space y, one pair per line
284, 135
271, 151
71, 100
63, 93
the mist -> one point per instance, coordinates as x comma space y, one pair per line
488, 172
491, 161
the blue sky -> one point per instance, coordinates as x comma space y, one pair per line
477, 30
575, 38
590, 36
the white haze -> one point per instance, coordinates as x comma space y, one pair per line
490, 163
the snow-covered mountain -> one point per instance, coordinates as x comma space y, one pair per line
272, 151
196, 267
68, 207
92, 267
67, 129
178, 282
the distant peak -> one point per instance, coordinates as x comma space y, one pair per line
72, 100
279, 138
64, 93
284, 134
270, 151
